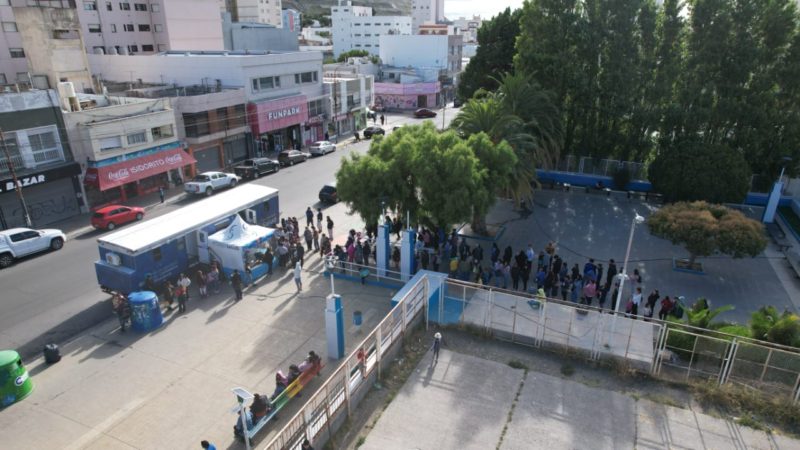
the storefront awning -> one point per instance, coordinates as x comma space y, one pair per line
117, 174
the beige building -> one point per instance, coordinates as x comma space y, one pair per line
259, 11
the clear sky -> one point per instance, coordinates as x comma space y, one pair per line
453, 9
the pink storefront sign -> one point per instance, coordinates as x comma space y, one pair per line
277, 114
407, 89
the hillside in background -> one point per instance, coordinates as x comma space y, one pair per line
379, 7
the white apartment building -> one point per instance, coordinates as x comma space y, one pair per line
442, 52
468, 28
351, 94
261, 11
426, 11
286, 101
355, 28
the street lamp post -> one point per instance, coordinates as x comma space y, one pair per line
637, 219
336, 100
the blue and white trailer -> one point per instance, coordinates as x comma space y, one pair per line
165, 246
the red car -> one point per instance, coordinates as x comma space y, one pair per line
424, 112
112, 216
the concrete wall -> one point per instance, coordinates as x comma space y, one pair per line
257, 11
252, 36
414, 50
192, 25
9, 66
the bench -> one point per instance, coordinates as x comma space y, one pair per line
794, 261
778, 236
283, 398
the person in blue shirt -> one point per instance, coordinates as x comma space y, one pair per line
207, 445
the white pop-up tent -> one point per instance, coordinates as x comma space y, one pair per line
231, 246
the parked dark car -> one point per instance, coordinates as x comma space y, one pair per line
373, 130
254, 168
424, 112
457, 102
290, 157
328, 193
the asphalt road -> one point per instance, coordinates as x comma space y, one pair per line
53, 296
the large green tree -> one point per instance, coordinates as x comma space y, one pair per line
495, 54
441, 179
704, 229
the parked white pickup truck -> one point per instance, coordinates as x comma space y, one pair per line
208, 182
18, 242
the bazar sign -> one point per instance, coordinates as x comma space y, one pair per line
23, 182
126, 172
281, 113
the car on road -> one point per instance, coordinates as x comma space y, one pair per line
253, 168
328, 193
290, 157
424, 112
112, 216
457, 102
208, 182
321, 148
373, 130
18, 242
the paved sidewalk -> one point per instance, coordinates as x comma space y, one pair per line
171, 388
463, 402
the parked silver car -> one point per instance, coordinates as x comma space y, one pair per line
322, 147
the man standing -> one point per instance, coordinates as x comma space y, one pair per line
330, 228
309, 216
319, 219
612, 272
236, 283
308, 235
636, 300
161, 193
383, 119
437, 343
184, 282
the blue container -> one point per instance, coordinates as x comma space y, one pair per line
357, 318
145, 312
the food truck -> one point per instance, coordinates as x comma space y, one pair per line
165, 246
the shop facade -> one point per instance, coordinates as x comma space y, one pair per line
50, 195
121, 178
405, 96
284, 124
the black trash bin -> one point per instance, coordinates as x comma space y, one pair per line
52, 354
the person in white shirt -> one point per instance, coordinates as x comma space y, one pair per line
298, 270
636, 300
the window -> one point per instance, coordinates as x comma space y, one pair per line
358, 45
239, 118
316, 108
357, 35
264, 83
113, 28
94, 28
162, 132
98, 50
3, 79
157, 254
42, 141
222, 119
90, 6
17, 52
143, 27
159, 28
128, 27
305, 77
147, 48
110, 143
155, 7
124, 6
108, 6
23, 77
10, 26
133, 48
140, 6
196, 124
137, 138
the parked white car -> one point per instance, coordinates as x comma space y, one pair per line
208, 182
322, 147
18, 242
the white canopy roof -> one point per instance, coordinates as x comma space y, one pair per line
239, 234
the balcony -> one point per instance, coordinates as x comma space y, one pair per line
16, 160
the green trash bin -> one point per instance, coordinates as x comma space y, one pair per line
15, 384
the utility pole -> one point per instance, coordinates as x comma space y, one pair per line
17, 186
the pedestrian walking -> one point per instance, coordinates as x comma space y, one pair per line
437, 344
161, 193
330, 227
207, 445
309, 217
298, 271
236, 283
122, 309
183, 282
383, 119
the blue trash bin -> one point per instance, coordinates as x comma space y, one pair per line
357, 318
145, 312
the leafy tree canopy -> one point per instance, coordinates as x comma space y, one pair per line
704, 229
351, 54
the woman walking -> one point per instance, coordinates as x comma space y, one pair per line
298, 270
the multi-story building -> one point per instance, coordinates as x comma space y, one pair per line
40, 157
127, 146
468, 28
355, 28
426, 11
246, 36
47, 38
351, 94
286, 101
292, 20
420, 70
261, 11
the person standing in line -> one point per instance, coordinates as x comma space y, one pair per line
236, 283
666, 308
308, 236
636, 300
161, 193
315, 238
201, 284
309, 217
207, 445
319, 219
184, 282
330, 227
437, 344
612, 272
298, 271
214, 275
306, 445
